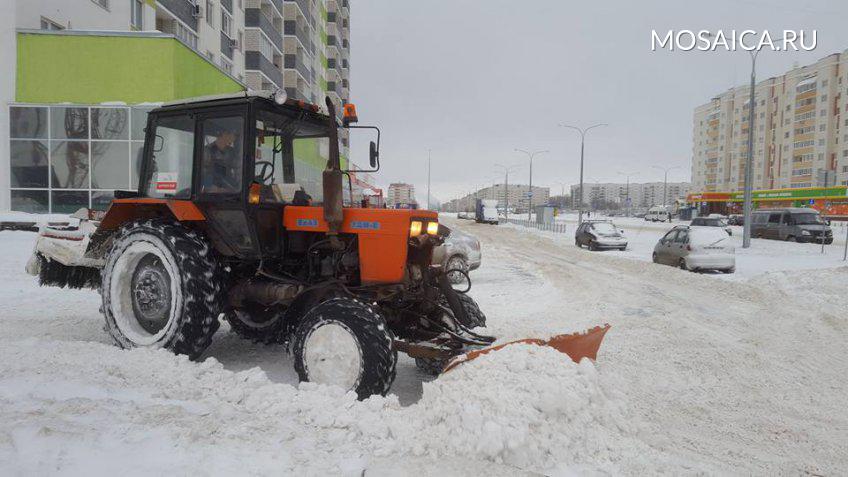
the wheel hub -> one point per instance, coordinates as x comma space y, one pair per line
332, 356
151, 294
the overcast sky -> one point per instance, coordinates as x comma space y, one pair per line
474, 80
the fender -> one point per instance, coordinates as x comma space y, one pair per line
124, 210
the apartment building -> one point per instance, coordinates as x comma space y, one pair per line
516, 194
401, 195
302, 46
641, 195
800, 132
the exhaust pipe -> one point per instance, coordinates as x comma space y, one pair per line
332, 183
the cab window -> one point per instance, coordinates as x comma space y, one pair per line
774, 218
222, 155
290, 152
170, 167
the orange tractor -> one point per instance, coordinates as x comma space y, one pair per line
222, 225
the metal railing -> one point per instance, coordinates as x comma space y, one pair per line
554, 227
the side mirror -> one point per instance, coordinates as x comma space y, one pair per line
373, 154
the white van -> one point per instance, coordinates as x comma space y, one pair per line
658, 214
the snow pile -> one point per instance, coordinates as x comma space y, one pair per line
524, 405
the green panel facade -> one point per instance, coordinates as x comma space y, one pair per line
89, 69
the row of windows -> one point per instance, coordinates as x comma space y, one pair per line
805, 87
800, 144
61, 156
802, 172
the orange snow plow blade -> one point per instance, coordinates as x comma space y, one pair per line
576, 345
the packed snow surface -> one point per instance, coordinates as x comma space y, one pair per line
697, 375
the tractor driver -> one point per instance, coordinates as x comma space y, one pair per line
222, 164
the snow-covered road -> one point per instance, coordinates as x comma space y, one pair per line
697, 375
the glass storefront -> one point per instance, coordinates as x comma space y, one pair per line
67, 157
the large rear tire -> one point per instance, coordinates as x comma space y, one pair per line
346, 343
162, 288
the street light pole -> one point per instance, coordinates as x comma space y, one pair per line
665, 181
506, 187
530, 155
628, 190
582, 143
747, 207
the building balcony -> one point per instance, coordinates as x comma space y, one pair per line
290, 28
295, 62
303, 7
182, 10
255, 61
254, 18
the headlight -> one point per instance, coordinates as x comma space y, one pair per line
805, 232
418, 227
415, 228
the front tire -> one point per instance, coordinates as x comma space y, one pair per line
162, 288
682, 264
457, 262
344, 342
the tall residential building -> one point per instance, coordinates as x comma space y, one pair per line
302, 46
800, 131
401, 195
641, 195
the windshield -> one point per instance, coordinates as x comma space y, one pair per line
290, 150
604, 228
707, 236
807, 218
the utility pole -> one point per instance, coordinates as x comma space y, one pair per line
582, 143
628, 189
748, 204
530, 155
665, 182
428, 179
506, 187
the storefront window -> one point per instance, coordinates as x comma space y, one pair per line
28, 123
109, 123
139, 122
69, 123
69, 161
68, 202
29, 163
33, 201
109, 165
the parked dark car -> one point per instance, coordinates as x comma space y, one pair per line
600, 234
793, 224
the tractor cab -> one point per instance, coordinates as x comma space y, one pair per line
240, 160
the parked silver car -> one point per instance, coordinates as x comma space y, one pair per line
696, 249
460, 251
